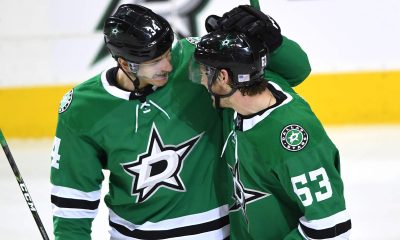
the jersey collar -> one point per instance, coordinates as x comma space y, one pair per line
243, 123
109, 83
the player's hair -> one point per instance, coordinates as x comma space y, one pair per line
254, 89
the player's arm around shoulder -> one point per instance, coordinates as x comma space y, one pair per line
286, 57
182, 51
181, 55
290, 61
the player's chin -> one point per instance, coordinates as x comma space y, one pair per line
160, 81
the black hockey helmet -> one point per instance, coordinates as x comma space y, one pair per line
244, 58
137, 34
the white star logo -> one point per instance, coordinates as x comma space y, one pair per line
294, 137
159, 166
114, 31
242, 195
225, 42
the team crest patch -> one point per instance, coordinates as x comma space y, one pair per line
66, 101
294, 137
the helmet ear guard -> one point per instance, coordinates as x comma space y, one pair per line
134, 67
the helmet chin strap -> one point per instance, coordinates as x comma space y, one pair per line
217, 101
218, 97
136, 82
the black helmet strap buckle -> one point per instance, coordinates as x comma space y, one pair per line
136, 82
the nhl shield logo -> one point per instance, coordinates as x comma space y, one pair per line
66, 101
294, 137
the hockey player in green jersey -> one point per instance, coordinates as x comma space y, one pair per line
154, 131
285, 169
166, 178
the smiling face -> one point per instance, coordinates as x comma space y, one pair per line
155, 72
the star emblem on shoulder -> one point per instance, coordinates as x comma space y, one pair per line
159, 166
242, 195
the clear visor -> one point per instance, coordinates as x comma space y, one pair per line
200, 73
152, 63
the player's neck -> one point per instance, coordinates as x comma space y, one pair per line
124, 82
247, 105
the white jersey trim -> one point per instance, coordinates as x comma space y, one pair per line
174, 222
249, 123
73, 212
328, 222
119, 220
66, 192
344, 236
171, 224
213, 235
116, 92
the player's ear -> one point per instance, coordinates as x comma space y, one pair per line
123, 63
224, 77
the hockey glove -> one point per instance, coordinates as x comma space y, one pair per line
250, 21
212, 23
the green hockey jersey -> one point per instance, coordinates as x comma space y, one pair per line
166, 180
166, 177
285, 170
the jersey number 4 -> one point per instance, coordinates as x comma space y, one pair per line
304, 192
55, 157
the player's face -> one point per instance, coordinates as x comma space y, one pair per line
215, 88
155, 72
205, 76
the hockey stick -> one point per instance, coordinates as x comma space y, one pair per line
255, 4
23, 187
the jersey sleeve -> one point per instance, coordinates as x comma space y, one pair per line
290, 62
76, 177
311, 178
181, 55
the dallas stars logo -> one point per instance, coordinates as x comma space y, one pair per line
158, 167
115, 31
227, 42
294, 138
242, 195
66, 101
